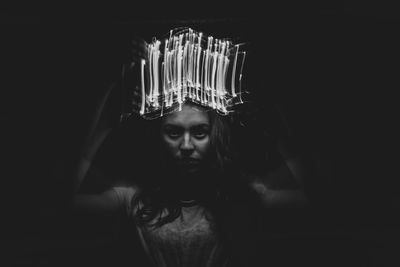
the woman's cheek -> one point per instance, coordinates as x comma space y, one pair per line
171, 146
203, 145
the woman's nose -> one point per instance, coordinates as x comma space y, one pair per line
186, 143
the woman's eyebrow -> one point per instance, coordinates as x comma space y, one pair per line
172, 126
200, 126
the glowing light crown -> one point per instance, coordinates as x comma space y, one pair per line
189, 66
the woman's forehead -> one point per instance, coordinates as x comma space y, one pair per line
189, 115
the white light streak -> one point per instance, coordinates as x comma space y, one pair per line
190, 66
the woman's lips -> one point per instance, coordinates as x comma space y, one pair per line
190, 162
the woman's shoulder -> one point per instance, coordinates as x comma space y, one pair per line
259, 186
277, 197
255, 182
125, 192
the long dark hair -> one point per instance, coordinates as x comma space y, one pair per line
226, 184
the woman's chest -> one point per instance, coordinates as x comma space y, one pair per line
193, 226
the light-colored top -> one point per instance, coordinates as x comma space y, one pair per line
190, 240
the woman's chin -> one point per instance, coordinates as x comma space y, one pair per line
189, 169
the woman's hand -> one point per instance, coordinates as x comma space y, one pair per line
131, 79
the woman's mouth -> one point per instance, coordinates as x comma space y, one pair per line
189, 161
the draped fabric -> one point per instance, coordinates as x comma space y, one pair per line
190, 240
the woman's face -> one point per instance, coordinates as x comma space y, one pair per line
186, 136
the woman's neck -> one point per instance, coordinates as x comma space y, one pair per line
192, 186
188, 203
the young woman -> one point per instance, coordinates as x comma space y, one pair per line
189, 200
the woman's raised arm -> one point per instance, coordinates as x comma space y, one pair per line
290, 172
104, 119
112, 106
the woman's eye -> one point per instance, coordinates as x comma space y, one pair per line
173, 134
200, 135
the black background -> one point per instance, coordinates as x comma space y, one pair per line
331, 68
